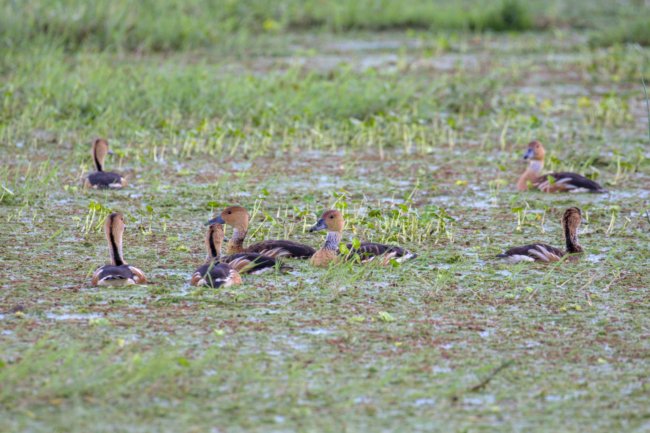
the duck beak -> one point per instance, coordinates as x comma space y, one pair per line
110, 152
529, 154
320, 225
217, 220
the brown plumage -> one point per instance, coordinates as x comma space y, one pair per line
237, 217
118, 272
213, 273
333, 222
242, 263
545, 253
552, 182
102, 179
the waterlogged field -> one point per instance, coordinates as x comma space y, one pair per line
418, 138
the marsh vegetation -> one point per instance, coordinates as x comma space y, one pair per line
412, 120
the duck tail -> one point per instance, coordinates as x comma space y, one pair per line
411, 256
408, 255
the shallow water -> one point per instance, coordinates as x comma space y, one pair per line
304, 339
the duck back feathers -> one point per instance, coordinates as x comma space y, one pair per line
250, 263
118, 275
566, 181
369, 250
282, 248
533, 253
105, 179
215, 275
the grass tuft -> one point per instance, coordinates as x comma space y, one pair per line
512, 15
635, 31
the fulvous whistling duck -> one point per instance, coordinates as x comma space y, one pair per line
213, 273
103, 179
237, 217
546, 253
248, 263
332, 221
552, 182
118, 272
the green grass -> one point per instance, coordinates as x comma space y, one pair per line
416, 136
172, 25
635, 31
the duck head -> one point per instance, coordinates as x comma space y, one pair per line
115, 224
114, 228
331, 220
535, 151
213, 240
571, 222
235, 216
572, 218
100, 150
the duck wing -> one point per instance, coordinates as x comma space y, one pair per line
138, 275
369, 250
533, 253
282, 248
565, 181
117, 275
105, 179
250, 263
215, 275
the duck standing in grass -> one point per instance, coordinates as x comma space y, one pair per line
118, 272
552, 182
225, 270
237, 217
545, 253
333, 222
103, 179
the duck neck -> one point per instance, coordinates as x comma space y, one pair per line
571, 236
236, 243
115, 247
213, 247
99, 163
332, 241
536, 166
532, 172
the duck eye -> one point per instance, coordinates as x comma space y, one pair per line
229, 212
331, 216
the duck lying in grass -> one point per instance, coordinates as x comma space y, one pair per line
103, 179
118, 272
237, 217
546, 253
213, 273
332, 221
225, 270
552, 182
